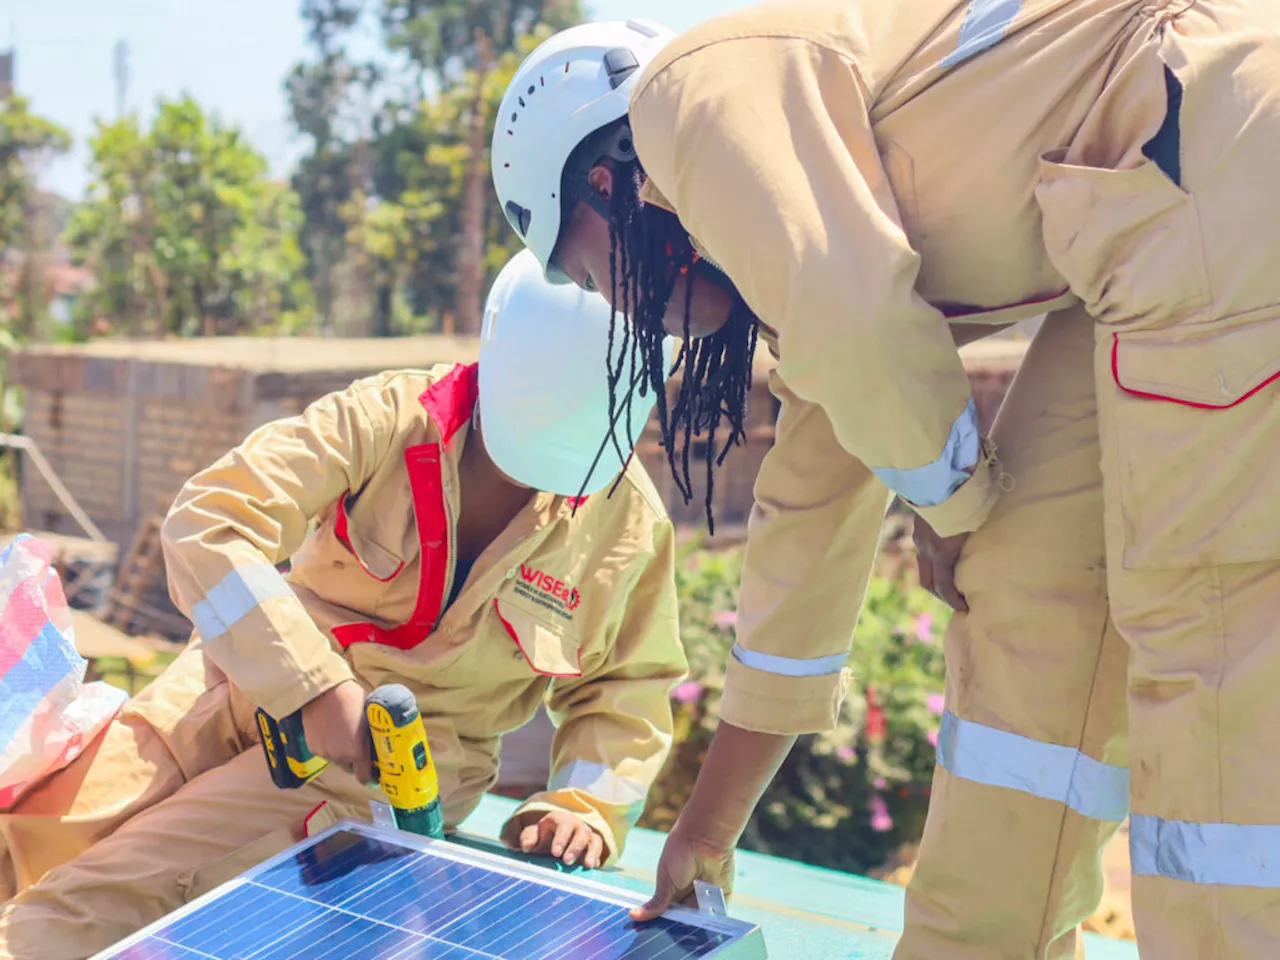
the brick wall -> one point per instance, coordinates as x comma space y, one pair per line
82, 437
174, 441
125, 434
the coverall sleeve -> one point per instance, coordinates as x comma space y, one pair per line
235, 521
765, 150
812, 538
614, 724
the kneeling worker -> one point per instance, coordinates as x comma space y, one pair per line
437, 539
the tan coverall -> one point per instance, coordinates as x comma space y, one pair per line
175, 798
868, 172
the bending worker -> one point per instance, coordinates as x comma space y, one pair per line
446, 556
863, 184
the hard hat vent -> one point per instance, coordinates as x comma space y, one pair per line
520, 217
620, 63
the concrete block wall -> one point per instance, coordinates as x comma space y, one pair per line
125, 431
82, 437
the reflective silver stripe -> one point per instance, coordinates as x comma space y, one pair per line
603, 782
1228, 854
984, 25
997, 758
788, 666
231, 600
933, 483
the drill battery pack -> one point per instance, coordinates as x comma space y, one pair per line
290, 761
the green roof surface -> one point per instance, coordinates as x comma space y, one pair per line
806, 913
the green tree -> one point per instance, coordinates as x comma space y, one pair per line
27, 143
412, 192
323, 94
442, 39
467, 51
184, 230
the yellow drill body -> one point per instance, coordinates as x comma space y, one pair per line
403, 759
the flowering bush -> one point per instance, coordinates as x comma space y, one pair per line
846, 799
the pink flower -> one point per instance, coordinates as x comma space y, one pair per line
924, 627
846, 754
937, 703
688, 692
881, 822
880, 783
726, 620
933, 737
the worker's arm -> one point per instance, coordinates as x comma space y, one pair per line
738, 767
764, 148
614, 724
813, 535
235, 521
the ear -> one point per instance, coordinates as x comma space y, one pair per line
601, 180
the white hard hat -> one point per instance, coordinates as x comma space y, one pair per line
570, 86
544, 386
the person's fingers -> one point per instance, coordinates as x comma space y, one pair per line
924, 566
529, 837
595, 851
944, 581
657, 905
953, 598
579, 840
363, 770
564, 831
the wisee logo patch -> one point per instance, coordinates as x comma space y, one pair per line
547, 590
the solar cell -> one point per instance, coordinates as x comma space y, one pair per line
357, 892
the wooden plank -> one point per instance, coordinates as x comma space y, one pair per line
95, 639
28, 446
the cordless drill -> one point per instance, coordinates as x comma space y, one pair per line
402, 758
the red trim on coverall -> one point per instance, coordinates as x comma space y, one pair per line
449, 402
306, 821
1115, 372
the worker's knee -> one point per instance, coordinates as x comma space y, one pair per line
70, 914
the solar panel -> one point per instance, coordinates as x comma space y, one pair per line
357, 892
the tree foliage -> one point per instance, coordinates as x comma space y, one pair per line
27, 142
407, 204
184, 231
439, 37
324, 96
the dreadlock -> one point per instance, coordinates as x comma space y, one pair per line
649, 251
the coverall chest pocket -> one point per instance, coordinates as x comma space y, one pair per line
379, 562
1190, 431
1127, 241
546, 649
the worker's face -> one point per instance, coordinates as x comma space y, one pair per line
583, 254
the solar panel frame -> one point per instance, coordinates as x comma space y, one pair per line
746, 939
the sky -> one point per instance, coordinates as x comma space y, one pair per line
231, 55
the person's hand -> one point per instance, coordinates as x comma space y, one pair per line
338, 729
936, 560
684, 860
561, 834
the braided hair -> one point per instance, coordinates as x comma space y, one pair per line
648, 252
